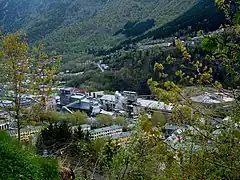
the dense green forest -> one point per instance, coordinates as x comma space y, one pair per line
130, 69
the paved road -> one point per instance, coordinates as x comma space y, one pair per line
99, 66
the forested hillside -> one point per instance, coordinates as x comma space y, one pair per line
98, 31
42, 17
202, 16
71, 27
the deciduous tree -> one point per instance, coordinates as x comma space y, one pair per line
25, 71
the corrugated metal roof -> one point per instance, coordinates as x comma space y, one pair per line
108, 97
154, 104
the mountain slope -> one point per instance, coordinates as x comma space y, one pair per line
42, 17
72, 26
99, 30
202, 16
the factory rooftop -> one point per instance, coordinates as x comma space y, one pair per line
154, 105
108, 98
212, 98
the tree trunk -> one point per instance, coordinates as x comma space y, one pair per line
17, 110
18, 129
